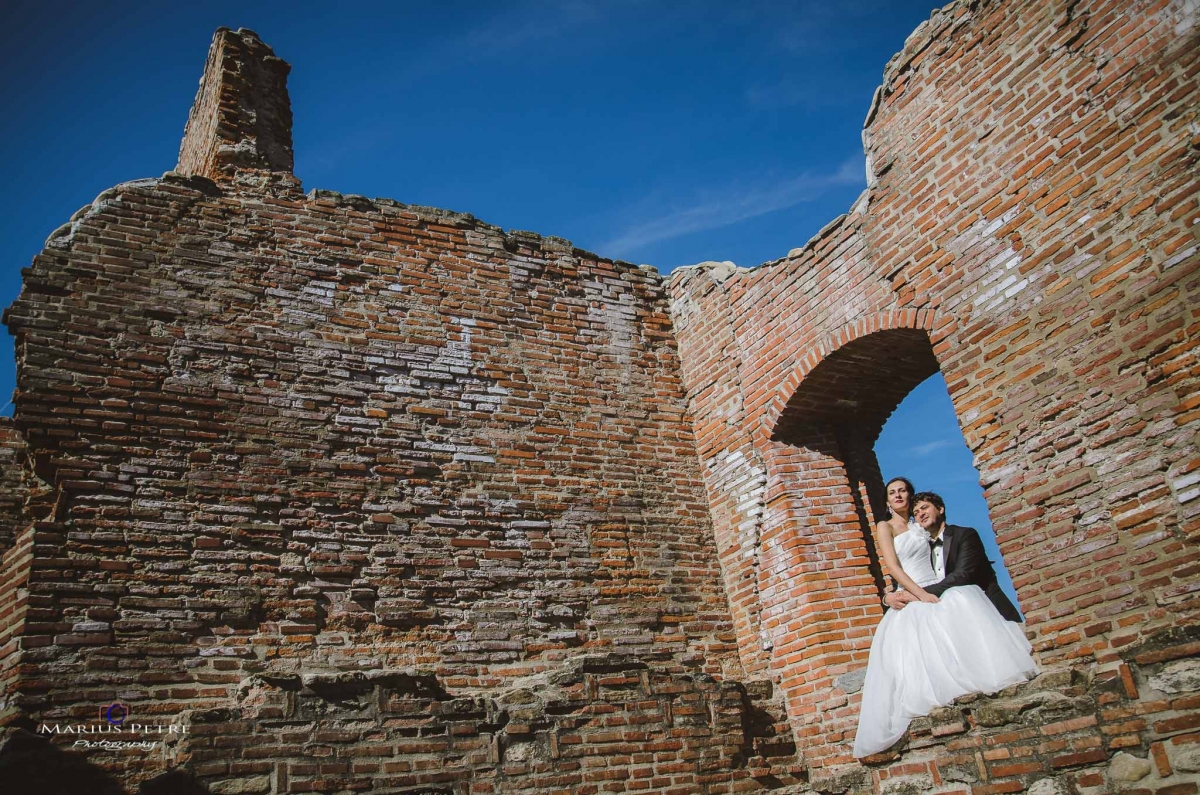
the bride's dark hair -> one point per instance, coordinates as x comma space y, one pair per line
911, 491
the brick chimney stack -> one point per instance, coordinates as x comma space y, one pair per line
240, 126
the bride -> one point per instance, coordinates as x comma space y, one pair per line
944, 636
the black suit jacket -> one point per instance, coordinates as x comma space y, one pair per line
966, 563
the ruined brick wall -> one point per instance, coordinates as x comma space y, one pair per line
241, 121
322, 448
19, 494
14, 484
1029, 229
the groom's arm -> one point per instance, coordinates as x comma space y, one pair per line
967, 562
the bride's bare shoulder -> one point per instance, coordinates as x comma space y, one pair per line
893, 527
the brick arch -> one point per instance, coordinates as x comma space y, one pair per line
820, 577
892, 319
1061, 317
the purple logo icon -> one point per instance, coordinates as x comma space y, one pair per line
115, 713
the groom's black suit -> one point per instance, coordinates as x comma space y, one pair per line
966, 563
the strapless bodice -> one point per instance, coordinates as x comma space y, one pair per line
912, 550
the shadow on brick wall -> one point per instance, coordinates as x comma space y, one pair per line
33, 764
29, 763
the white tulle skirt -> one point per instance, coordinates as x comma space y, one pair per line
926, 655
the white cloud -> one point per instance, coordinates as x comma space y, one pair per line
512, 29
714, 209
506, 30
923, 450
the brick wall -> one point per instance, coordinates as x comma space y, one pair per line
602, 723
222, 140
1028, 229
19, 495
295, 435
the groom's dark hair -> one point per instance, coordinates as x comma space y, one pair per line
931, 498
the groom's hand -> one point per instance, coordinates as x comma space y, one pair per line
898, 599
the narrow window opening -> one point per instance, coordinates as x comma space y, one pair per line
922, 442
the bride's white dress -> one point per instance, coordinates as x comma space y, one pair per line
926, 655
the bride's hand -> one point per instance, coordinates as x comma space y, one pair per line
929, 598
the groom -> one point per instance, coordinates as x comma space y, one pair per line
957, 555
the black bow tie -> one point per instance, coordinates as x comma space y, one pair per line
933, 545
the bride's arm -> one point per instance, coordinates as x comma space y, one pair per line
887, 549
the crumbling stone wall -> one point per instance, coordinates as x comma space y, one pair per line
20, 495
1029, 229
304, 436
373, 496
15, 485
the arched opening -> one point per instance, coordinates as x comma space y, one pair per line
820, 578
840, 408
880, 406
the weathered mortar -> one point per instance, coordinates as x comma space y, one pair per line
380, 497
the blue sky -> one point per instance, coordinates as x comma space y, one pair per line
660, 133
922, 442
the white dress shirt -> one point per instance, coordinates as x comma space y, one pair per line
938, 556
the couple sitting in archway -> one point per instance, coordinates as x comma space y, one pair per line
951, 630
